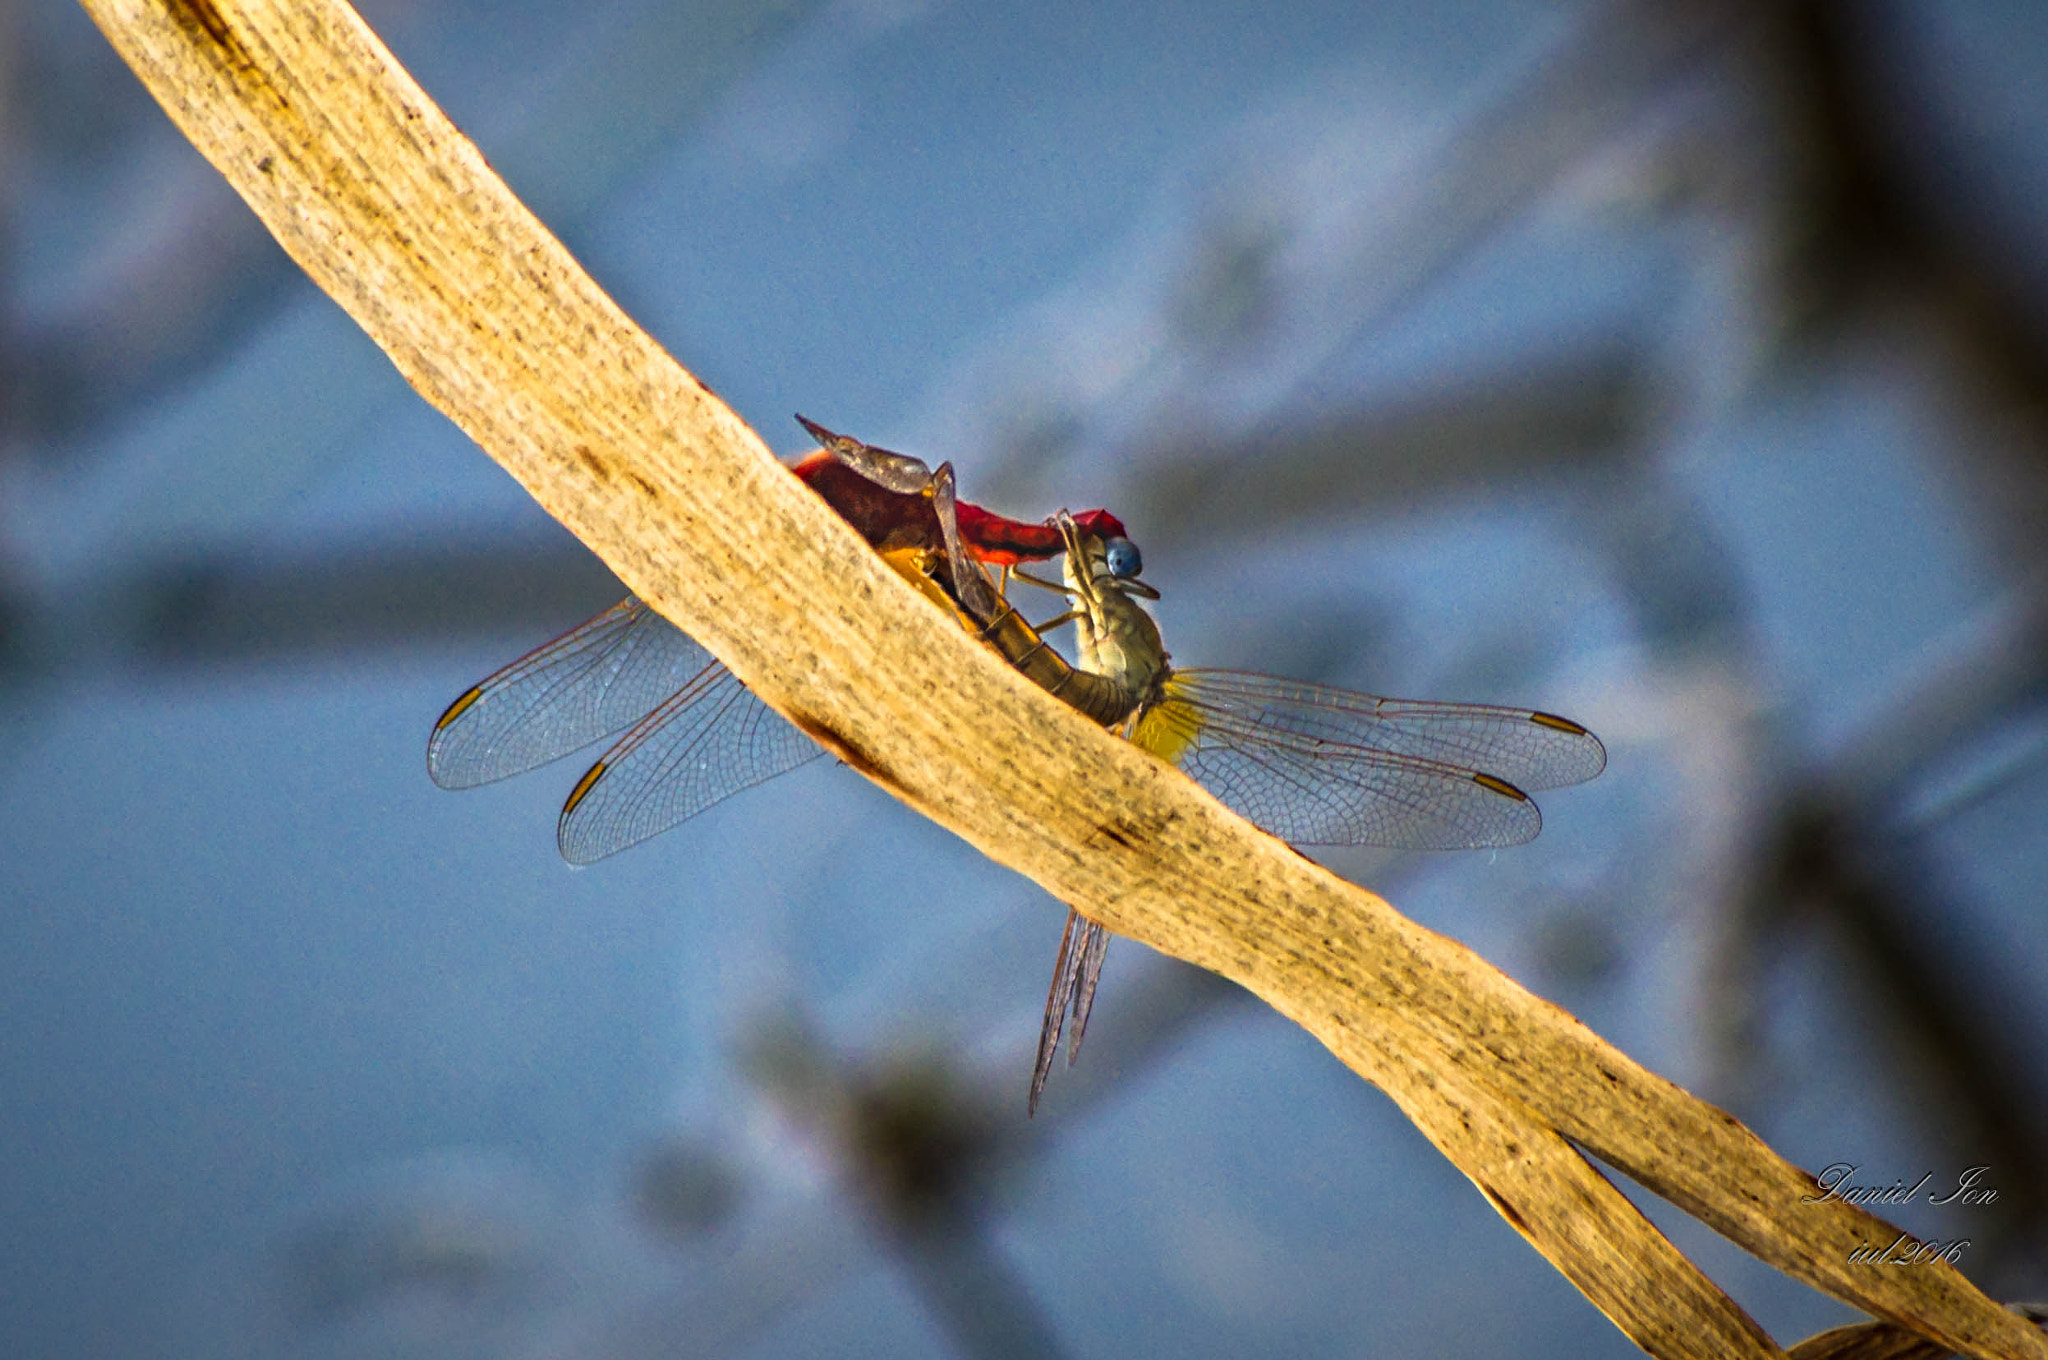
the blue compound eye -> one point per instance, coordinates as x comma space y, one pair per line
1122, 558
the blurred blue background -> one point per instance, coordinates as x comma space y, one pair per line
1680, 367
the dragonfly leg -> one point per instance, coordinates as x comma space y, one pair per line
1038, 581
1080, 587
970, 585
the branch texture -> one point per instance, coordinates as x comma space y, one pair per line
396, 215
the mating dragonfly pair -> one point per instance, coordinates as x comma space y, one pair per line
1309, 763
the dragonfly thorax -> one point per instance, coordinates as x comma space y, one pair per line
1114, 636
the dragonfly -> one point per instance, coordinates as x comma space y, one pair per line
1309, 763
688, 733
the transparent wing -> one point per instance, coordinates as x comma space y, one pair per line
891, 471
1359, 797
708, 741
594, 680
1528, 749
1075, 971
1321, 766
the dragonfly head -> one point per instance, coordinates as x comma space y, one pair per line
1122, 558
1119, 557
1103, 559
1117, 561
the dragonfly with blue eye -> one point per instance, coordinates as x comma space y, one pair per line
693, 735
1309, 763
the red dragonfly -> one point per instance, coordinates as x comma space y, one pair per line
1309, 763
693, 734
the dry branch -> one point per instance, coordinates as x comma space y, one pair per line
397, 216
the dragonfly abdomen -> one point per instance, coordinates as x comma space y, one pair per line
1100, 697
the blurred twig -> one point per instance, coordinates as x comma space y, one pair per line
1873, 247
935, 1150
911, 1138
1843, 850
1560, 415
1874, 243
637, 75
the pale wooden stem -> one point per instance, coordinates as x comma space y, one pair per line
394, 213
